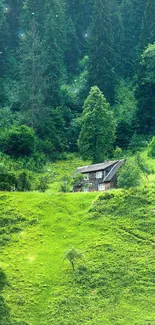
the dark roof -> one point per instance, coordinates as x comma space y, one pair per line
95, 167
113, 171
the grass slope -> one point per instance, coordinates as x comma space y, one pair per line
114, 282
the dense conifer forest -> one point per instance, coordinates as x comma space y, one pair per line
72, 71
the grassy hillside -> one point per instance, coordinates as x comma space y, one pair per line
113, 283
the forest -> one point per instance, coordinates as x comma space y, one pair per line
60, 62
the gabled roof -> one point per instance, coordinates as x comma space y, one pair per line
113, 171
96, 167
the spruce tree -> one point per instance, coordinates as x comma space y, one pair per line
32, 81
54, 48
148, 26
102, 47
98, 127
146, 92
4, 41
132, 12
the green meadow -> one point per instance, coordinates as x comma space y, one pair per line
114, 281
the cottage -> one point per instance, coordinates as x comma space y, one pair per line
98, 177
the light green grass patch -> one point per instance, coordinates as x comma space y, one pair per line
114, 281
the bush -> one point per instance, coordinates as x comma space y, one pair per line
129, 175
118, 153
7, 178
137, 143
35, 163
7, 182
43, 183
24, 181
78, 180
18, 141
151, 148
66, 184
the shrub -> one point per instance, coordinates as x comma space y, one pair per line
19, 141
7, 178
118, 153
137, 143
151, 148
78, 180
65, 184
24, 181
43, 183
129, 175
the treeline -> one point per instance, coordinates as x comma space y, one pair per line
53, 52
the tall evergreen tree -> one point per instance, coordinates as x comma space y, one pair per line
80, 12
146, 92
148, 26
54, 47
32, 82
98, 127
4, 41
102, 45
132, 12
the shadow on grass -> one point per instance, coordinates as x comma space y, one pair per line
4, 310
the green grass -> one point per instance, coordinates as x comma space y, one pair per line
114, 282
63, 168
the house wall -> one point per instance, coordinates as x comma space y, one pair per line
92, 182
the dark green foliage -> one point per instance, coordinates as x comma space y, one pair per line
7, 181
125, 112
24, 181
102, 47
51, 53
124, 132
146, 92
18, 141
43, 183
151, 148
31, 70
7, 177
54, 47
138, 142
132, 13
148, 26
98, 127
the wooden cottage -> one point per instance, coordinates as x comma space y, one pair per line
98, 177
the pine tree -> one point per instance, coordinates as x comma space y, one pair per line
4, 41
54, 48
32, 81
132, 12
146, 92
102, 48
80, 12
148, 26
98, 127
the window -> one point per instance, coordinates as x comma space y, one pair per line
86, 177
99, 175
101, 187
